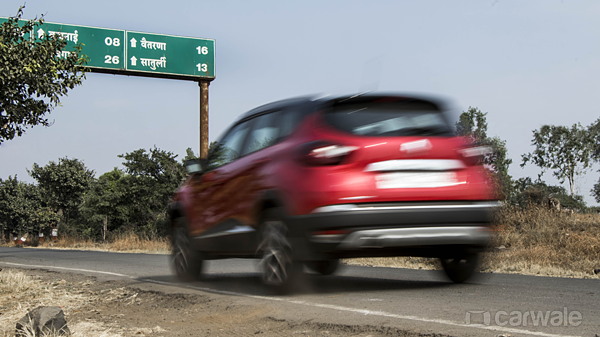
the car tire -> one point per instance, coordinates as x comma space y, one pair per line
460, 267
278, 268
324, 267
185, 260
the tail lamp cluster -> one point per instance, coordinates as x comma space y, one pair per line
322, 153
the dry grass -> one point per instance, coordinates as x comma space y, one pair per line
130, 243
532, 241
20, 293
544, 242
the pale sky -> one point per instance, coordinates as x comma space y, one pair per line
526, 63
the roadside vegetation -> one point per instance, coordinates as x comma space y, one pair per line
533, 241
530, 240
92, 308
69, 203
33, 77
123, 243
539, 241
20, 293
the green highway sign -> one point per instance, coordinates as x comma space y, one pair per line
156, 53
134, 53
103, 47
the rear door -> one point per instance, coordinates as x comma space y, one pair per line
229, 192
211, 192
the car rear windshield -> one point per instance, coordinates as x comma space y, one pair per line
388, 119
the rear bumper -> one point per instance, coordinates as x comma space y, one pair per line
417, 228
418, 236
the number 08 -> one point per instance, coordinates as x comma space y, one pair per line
109, 41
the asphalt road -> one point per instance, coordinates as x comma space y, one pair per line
492, 305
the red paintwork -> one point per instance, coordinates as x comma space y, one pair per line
233, 190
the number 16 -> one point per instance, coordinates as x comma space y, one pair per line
202, 50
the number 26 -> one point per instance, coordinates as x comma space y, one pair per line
111, 59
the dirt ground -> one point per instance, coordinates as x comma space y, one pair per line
118, 309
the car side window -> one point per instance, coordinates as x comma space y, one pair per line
229, 147
289, 121
264, 133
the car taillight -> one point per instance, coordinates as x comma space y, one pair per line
475, 155
324, 153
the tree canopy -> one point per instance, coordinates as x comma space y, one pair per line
133, 199
63, 184
566, 151
105, 205
594, 130
34, 75
152, 177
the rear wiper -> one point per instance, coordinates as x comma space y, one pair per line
424, 131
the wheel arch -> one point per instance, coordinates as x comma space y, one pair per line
269, 200
175, 210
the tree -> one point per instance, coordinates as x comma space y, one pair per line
566, 151
537, 192
189, 155
473, 124
152, 178
594, 131
22, 209
15, 204
135, 199
596, 191
105, 206
33, 78
63, 185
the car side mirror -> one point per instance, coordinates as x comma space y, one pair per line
193, 166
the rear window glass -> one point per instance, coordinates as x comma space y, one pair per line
385, 119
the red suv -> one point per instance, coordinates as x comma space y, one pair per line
305, 182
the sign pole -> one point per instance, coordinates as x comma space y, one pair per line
203, 118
